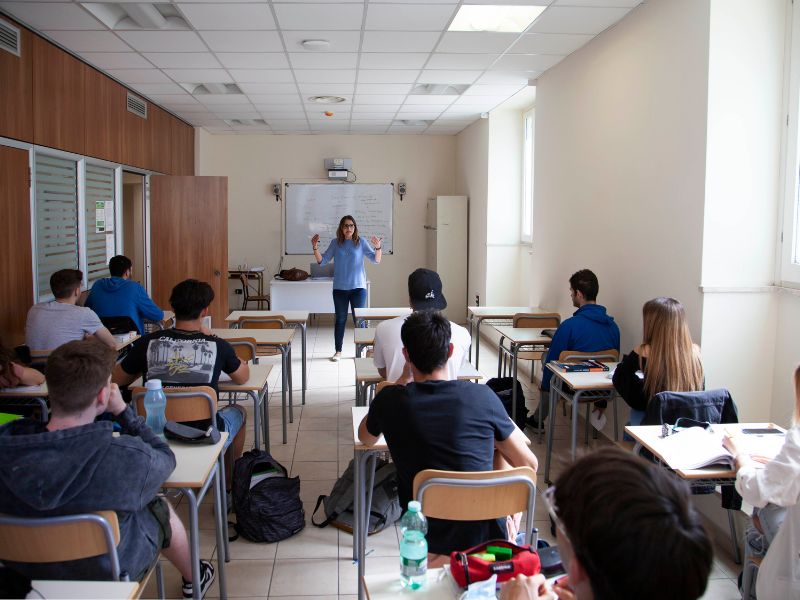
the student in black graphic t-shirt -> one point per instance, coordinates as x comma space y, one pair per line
433, 423
188, 355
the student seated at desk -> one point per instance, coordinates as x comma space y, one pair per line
188, 355
120, 296
434, 423
626, 529
74, 465
59, 321
666, 360
12, 373
424, 293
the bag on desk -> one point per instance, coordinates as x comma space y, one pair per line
467, 568
338, 505
266, 501
502, 387
293, 274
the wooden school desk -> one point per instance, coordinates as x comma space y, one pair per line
27, 395
576, 388
500, 314
379, 314
363, 337
196, 468
294, 318
280, 339
314, 295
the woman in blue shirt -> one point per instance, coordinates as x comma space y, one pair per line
347, 252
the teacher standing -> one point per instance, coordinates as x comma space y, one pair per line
347, 252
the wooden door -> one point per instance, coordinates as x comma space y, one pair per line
189, 237
16, 284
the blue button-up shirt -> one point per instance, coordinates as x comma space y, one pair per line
348, 260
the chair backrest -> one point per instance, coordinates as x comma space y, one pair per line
60, 539
119, 325
245, 286
476, 495
183, 404
537, 320
712, 406
273, 322
245, 347
611, 355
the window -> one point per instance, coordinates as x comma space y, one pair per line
100, 221
526, 232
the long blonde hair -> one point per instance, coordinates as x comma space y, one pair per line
673, 362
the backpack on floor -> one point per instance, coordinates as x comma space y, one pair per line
266, 501
502, 387
338, 505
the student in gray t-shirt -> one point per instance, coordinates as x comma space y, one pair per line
51, 324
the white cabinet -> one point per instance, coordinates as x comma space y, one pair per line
446, 234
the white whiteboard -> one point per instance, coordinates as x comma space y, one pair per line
311, 208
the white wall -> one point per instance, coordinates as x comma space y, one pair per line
253, 163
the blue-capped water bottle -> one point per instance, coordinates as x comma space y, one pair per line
413, 547
155, 406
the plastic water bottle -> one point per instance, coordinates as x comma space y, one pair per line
155, 405
413, 547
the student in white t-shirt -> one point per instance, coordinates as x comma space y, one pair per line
424, 293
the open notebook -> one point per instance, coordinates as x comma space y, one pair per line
695, 447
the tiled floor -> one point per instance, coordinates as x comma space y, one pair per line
318, 562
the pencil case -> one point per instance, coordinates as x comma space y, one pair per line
467, 569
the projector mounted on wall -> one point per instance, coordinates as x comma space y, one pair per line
338, 168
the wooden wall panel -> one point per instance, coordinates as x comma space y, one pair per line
134, 145
16, 284
182, 148
159, 137
105, 103
58, 98
16, 90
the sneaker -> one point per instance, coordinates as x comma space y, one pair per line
336, 357
206, 579
534, 425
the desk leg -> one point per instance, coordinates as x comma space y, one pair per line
574, 428
477, 341
194, 541
552, 429
289, 377
303, 342
220, 514
737, 556
263, 403
256, 418
472, 339
283, 394
514, 350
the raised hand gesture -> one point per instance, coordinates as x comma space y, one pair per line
315, 240
376, 242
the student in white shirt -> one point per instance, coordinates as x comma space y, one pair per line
424, 293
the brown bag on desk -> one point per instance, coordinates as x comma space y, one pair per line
293, 274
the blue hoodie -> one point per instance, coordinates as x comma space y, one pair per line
118, 297
590, 329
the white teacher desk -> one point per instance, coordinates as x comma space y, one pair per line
314, 295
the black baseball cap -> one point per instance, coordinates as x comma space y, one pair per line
425, 290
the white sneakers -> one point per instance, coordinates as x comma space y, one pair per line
336, 357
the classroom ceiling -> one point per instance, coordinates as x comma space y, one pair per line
241, 67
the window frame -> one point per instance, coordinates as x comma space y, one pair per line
527, 183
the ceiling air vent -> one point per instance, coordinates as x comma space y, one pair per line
9, 38
137, 106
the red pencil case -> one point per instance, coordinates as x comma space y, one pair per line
467, 569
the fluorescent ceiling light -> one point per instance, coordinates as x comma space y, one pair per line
487, 17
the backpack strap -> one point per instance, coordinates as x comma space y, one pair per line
327, 521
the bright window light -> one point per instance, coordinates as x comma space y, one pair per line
486, 17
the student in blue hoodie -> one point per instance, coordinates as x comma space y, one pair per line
119, 296
590, 329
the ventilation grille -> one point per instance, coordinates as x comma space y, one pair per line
9, 38
137, 106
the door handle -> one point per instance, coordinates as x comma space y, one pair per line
217, 273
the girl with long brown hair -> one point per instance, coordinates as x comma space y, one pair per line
12, 373
666, 360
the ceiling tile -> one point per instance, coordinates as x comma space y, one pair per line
399, 41
325, 76
493, 90
422, 17
322, 89
222, 99
320, 16
228, 16
375, 109
295, 106
507, 77
460, 61
151, 75
341, 41
383, 88
526, 62
549, 43
286, 123
164, 41
417, 1
485, 101
156, 88
378, 99
175, 99
388, 76
434, 76
262, 75
199, 75
422, 108
243, 41
511, 2
183, 60
618, 3
569, 19
116, 60
53, 15
262, 88
476, 41
323, 60
297, 115
429, 100
282, 93
253, 60
428, 116
390, 60
374, 121
226, 113
89, 41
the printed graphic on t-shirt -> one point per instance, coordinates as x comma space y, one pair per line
181, 361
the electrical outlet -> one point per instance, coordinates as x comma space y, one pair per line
237, 291
477, 300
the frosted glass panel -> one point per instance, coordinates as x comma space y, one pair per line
100, 222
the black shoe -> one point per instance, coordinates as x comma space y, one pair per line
534, 423
206, 579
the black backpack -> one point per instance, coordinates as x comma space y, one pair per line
385, 509
502, 387
271, 510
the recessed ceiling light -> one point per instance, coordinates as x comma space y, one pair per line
438, 89
413, 122
486, 17
315, 45
327, 99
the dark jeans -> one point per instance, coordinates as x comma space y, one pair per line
356, 298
